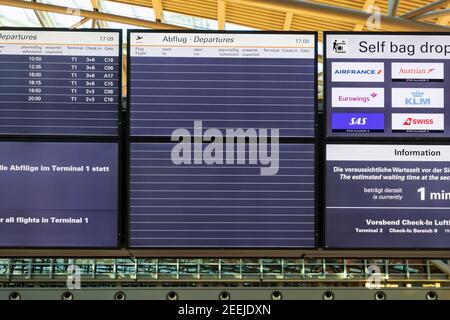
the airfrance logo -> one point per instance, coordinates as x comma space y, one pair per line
418, 98
418, 72
357, 72
358, 97
418, 123
222, 149
357, 122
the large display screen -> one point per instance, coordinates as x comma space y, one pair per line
387, 85
387, 196
63, 83
226, 80
241, 196
58, 194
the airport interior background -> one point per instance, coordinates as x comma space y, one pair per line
287, 56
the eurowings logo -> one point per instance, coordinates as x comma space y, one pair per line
357, 72
363, 99
418, 72
358, 97
419, 123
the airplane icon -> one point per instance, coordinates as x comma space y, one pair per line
139, 37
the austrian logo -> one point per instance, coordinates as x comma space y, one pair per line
358, 97
357, 72
418, 72
419, 123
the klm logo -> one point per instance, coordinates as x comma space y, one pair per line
418, 99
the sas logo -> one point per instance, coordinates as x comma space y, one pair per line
357, 122
419, 123
357, 72
418, 72
358, 97
418, 98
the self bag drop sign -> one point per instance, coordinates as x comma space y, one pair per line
387, 196
387, 85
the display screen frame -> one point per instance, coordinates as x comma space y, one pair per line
120, 120
328, 248
326, 93
120, 188
162, 139
130, 66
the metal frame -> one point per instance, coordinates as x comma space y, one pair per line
255, 294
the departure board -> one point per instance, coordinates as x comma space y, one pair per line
387, 85
59, 83
387, 196
252, 195
225, 80
59, 194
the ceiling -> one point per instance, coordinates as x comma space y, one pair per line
317, 15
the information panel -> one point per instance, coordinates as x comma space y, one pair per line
226, 80
63, 83
387, 85
250, 196
387, 196
58, 194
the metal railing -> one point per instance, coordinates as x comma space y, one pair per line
252, 272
